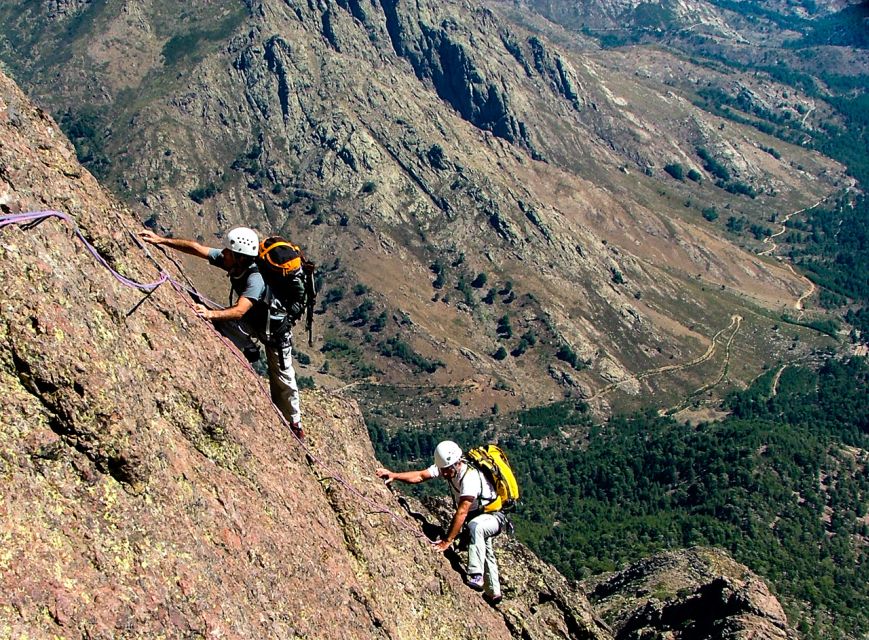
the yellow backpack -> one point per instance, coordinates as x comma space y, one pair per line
492, 462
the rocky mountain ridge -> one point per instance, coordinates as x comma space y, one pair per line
753, 23
148, 488
468, 146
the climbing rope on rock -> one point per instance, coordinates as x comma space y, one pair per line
186, 291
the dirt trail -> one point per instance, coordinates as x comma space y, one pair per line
807, 293
735, 322
810, 290
774, 386
769, 239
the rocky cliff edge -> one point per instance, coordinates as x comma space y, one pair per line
147, 486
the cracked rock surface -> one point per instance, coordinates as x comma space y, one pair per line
693, 593
148, 488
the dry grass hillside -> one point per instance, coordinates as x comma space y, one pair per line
412, 149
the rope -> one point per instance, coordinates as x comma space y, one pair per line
338, 477
187, 288
31, 217
23, 218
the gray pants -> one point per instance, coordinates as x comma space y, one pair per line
481, 554
279, 357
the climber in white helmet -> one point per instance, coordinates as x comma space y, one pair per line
251, 312
470, 490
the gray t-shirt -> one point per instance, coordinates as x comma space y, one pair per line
250, 284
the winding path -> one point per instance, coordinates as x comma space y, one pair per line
810, 288
769, 239
735, 322
798, 305
774, 386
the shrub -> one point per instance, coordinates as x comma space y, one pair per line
335, 344
736, 225
379, 322
333, 295
467, 291
359, 315
202, 194
568, 355
710, 214
504, 329
675, 170
438, 269
521, 348
759, 231
500, 354
397, 348
712, 165
480, 281
436, 157
741, 188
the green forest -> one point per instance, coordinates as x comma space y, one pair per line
782, 484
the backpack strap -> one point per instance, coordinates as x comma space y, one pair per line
286, 267
268, 300
458, 489
244, 274
481, 501
484, 479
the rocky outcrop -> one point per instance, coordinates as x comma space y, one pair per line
61, 9
148, 486
555, 68
436, 54
696, 593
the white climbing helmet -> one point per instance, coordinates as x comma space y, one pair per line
244, 241
447, 453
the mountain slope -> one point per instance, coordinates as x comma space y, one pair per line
412, 149
147, 487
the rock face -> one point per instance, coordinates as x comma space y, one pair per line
393, 138
148, 488
538, 601
696, 593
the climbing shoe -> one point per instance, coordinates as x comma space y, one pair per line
296, 428
475, 581
493, 600
252, 354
